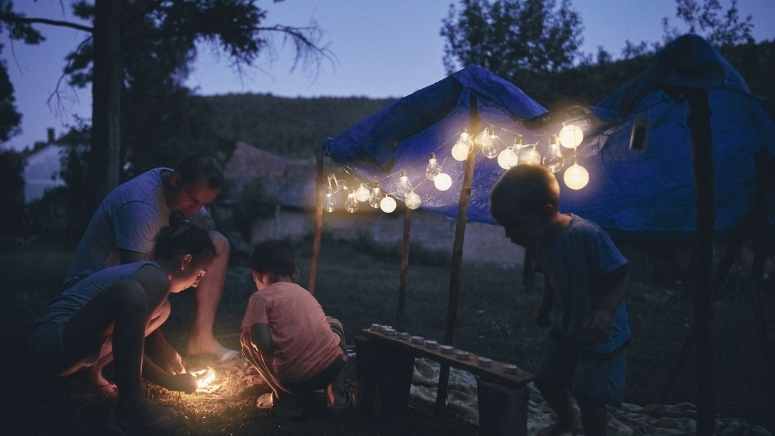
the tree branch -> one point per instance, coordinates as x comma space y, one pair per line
13, 18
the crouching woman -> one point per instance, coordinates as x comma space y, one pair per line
107, 316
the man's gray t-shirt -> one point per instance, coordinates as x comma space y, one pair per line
129, 218
574, 262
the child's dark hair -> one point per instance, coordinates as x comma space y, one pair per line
183, 238
273, 257
524, 189
200, 167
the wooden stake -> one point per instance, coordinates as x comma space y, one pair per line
404, 277
702, 142
455, 273
318, 226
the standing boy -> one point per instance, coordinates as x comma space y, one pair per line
586, 274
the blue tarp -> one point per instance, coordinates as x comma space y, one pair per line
648, 191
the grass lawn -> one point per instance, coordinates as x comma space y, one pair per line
360, 287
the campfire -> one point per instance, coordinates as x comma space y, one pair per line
205, 380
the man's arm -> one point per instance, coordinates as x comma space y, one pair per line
127, 256
261, 334
612, 289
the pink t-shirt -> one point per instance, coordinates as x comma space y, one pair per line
303, 342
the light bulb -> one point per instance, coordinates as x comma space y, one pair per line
412, 200
432, 169
362, 194
376, 195
351, 205
460, 150
387, 204
553, 158
442, 182
571, 136
490, 150
330, 202
576, 177
508, 158
485, 138
403, 183
529, 156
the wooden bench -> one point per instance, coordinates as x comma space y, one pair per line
385, 367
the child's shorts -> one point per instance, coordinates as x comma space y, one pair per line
594, 378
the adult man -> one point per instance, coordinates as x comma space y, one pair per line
125, 225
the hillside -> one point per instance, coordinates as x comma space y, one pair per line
286, 125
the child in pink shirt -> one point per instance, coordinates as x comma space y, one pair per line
285, 332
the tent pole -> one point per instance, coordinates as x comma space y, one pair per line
455, 269
318, 226
702, 142
404, 275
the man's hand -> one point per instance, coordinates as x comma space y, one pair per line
598, 327
176, 366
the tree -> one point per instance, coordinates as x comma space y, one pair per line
146, 44
516, 39
709, 19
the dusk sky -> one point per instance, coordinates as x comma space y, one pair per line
382, 48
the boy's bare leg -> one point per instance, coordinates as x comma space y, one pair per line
208, 295
595, 419
559, 400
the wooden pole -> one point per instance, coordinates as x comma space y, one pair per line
456, 266
404, 276
318, 226
702, 142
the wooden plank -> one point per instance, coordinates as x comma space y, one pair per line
702, 145
404, 274
318, 225
495, 372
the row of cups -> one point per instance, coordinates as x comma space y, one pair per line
430, 344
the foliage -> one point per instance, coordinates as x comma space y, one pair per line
12, 220
708, 18
516, 39
289, 126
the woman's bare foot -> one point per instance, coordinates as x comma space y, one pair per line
102, 387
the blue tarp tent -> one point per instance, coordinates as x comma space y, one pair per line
630, 191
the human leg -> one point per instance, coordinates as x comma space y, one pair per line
554, 381
208, 294
599, 381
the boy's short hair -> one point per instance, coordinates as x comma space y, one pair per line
200, 167
523, 190
273, 257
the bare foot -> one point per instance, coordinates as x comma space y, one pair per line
211, 348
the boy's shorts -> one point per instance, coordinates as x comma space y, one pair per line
594, 378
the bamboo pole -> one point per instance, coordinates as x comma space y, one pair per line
455, 274
318, 226
702, 142
404, 276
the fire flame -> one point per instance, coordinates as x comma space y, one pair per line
204, 380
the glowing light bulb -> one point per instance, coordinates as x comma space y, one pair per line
387, 204
490, 150
508, 158
460, 151
330, 202
552, 160
412, 200
362, 194
442, 182
432, 169
571, 136
576, 177
351, 205
376, 195
403, 183
529, 156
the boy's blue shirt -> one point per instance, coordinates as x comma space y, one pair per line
574, 261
